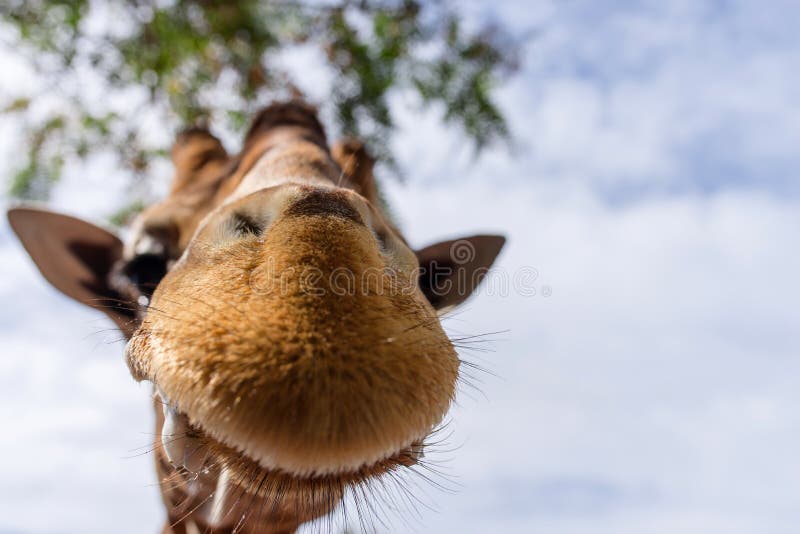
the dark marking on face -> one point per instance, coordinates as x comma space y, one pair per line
326, 203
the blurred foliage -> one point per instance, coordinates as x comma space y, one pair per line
198, 62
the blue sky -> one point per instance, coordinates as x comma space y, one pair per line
662, 96
654, 188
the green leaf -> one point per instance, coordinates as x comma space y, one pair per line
196, 60
17, 105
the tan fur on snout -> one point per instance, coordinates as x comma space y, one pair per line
292, 339
267, 345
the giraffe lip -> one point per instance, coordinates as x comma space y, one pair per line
186, 445
182, 442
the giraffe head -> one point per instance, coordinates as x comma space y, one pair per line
291, 333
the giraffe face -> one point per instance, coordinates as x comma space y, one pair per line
291, 334
292, 330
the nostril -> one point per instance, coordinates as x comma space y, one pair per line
383, 240
145, 271
245, 225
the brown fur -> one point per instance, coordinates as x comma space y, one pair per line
295, 387
319, 382
302, 380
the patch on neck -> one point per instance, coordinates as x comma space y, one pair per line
292, 113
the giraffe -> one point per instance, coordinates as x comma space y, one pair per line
291, 334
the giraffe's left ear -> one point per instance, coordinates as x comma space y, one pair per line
75, 257
451, 270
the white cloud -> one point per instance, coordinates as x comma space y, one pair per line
652, 389
652, 96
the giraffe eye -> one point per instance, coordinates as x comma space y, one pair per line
145, 271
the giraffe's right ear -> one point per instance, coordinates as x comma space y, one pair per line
76, 258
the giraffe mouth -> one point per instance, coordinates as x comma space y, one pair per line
224, 485
192, 450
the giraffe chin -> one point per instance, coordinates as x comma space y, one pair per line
219, 487
191, 450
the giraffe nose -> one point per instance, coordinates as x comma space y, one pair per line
326, 203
